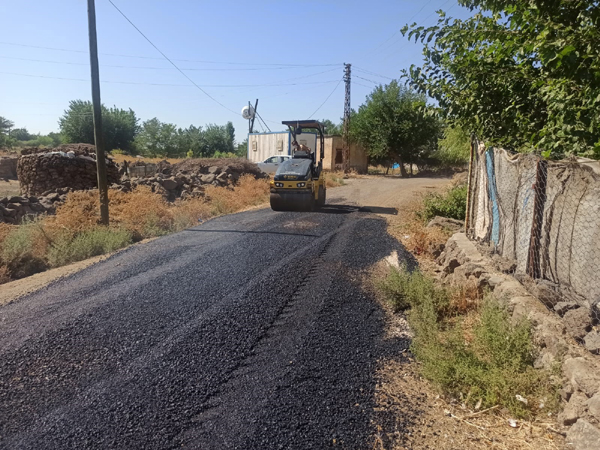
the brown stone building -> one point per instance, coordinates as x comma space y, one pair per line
333, 155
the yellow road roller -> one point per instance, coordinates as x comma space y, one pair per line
299, 184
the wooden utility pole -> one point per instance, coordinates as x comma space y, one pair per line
98, 135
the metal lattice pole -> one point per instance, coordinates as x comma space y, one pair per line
346, 137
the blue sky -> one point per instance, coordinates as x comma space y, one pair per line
235, 50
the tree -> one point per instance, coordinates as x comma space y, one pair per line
21, 134
217, 139
230, 131
119, 126
524, 74
394, 124
331, 128
5, 126
158, 139
242, 149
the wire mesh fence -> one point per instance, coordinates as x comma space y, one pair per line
542, 218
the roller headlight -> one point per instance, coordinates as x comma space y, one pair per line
278, 184
301, 185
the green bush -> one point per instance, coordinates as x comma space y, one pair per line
98, 241
490, 360
19, 254
452, 204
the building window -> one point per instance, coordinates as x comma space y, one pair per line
254, 146
339, 156
280, 145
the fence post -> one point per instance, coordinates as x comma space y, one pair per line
541, 181
469, 185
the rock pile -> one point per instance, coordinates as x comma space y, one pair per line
71, 166
14, 209
187, 179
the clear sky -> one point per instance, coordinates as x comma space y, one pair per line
237, 51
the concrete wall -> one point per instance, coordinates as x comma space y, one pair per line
358, 155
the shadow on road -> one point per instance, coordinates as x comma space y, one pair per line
250, 232
347, 209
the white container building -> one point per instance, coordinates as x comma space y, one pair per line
279, 143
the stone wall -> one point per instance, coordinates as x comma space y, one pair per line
45, 171
8, 167
555, 337
14, 209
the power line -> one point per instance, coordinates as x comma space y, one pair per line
181, 60
373, 73
424, 20
263, 121
172, 84
366, 79
172, 63
155, 68
334, 89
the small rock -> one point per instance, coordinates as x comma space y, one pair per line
562, 307
545, 291
578, 322
214, 169
16, 199
504, 265
169, 184
592, 342
574, 409
446, 223
582, 375
594, 406
207, 179
583, 436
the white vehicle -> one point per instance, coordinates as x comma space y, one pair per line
271, 164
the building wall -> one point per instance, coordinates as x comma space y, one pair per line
264, 145
333, 148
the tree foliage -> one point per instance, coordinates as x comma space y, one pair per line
394, 124
119, 126
331, 128
161, 139
5, 127
524, 74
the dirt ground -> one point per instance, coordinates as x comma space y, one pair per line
9, 188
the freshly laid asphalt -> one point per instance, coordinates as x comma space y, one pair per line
251, 331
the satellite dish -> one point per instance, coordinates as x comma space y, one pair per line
248, 112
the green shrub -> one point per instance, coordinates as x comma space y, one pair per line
452, 204
98, 241
485, 358
19, 253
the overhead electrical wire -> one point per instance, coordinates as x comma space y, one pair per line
172, 63
171, 84
372, 73
181, 60
334, 89
156, 68
263, 121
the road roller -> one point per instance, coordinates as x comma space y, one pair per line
298, 184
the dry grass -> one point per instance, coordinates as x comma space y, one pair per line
437, 423
410, 229
75, 231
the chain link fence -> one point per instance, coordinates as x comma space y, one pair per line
540, 220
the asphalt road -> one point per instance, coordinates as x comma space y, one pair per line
251, 331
